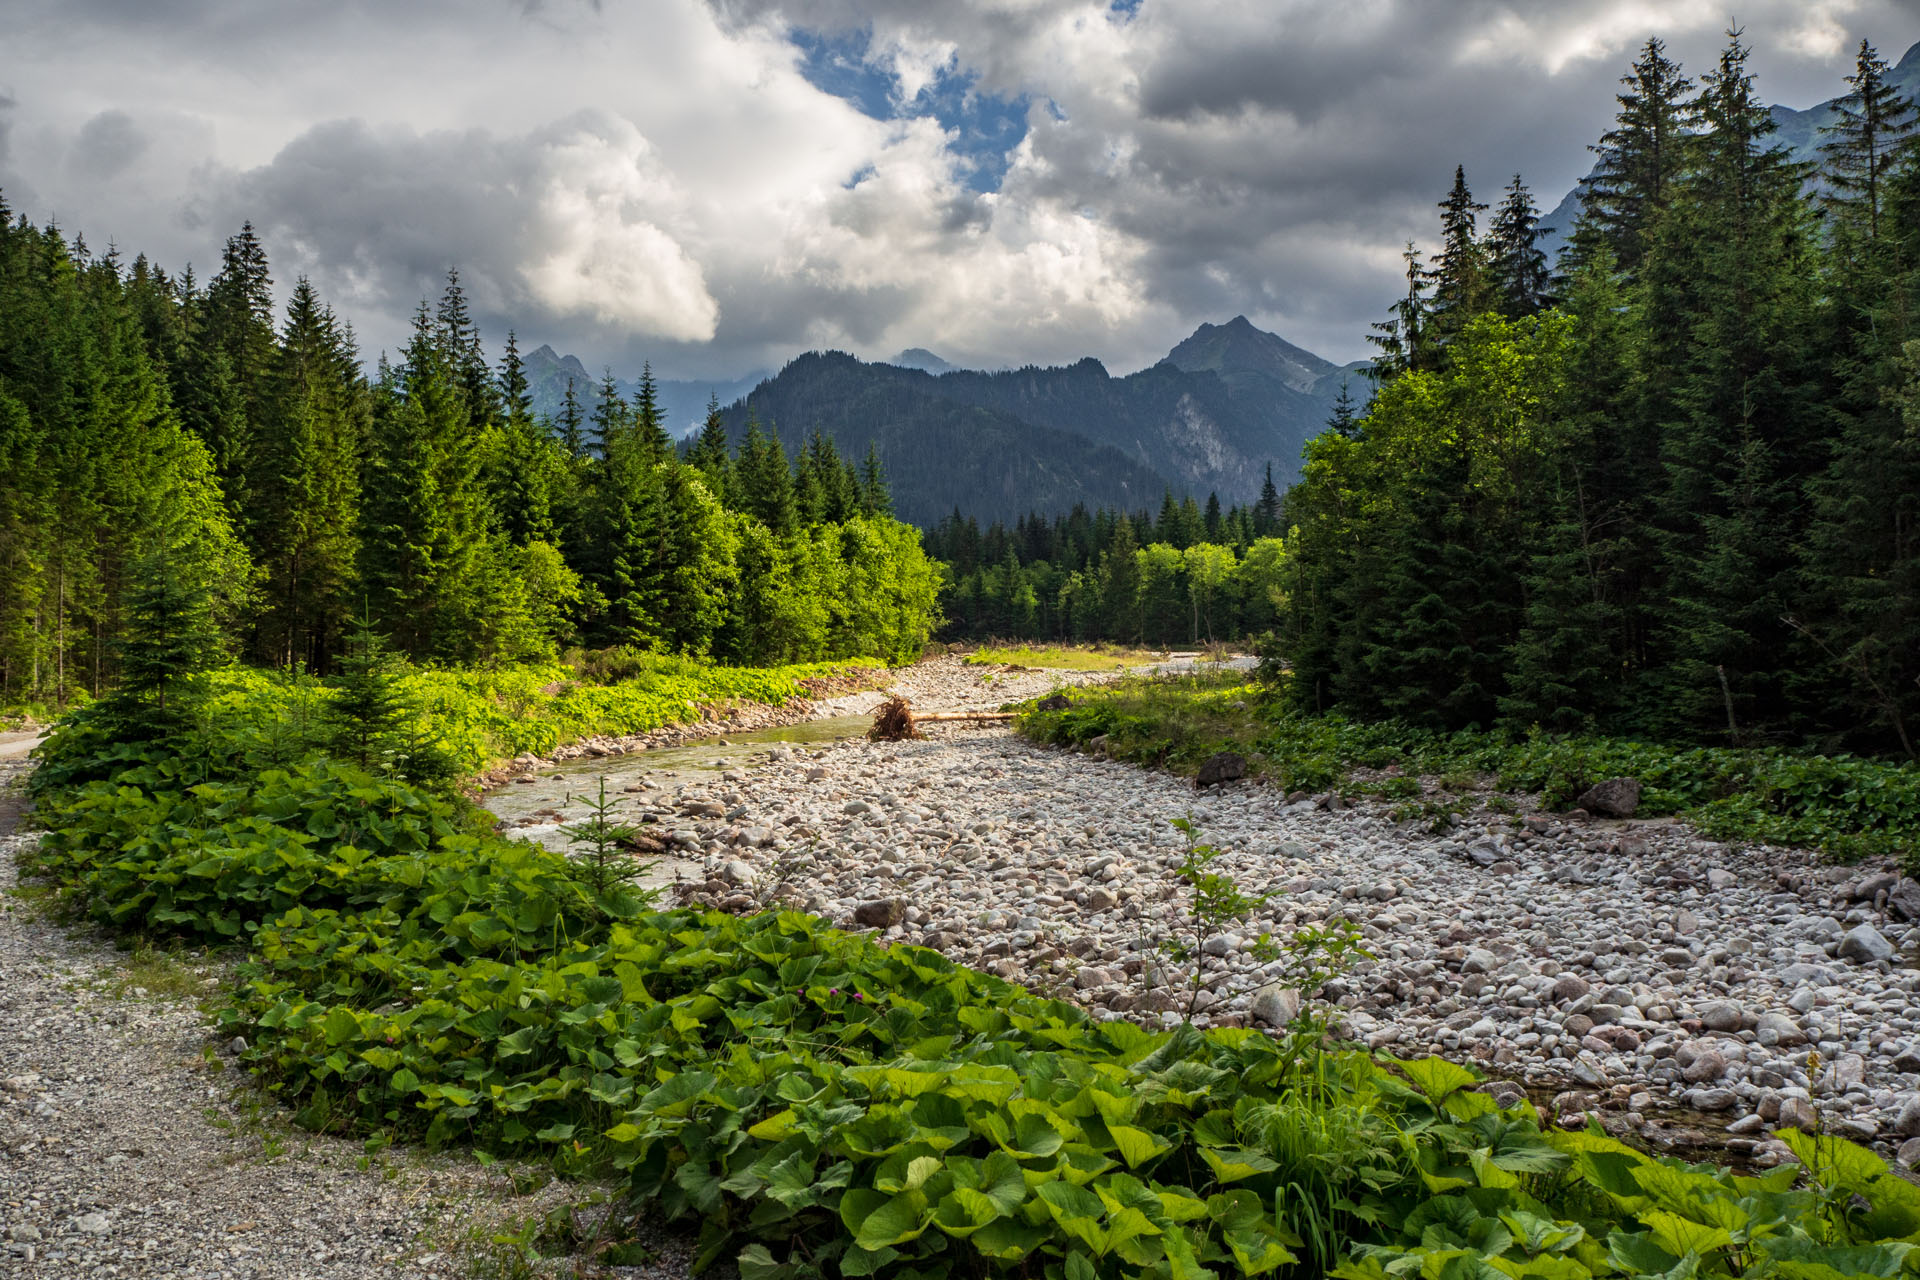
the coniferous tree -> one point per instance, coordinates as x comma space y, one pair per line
528, 472
309, 484
1402, 337
1459, 273
875, 499
1874, 126
648, 419
1641, 160
610, 414
1745, 416
168, 644
459, 338
1266, 511
1517, 269
424, 515
710, 455
1343, 421
364, 715
571, 424
766, 482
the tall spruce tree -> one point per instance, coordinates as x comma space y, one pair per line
1746, 421
1402, 338
1873, 126
424, 517
710, 455
1461, 289
1517, 272
1641, 160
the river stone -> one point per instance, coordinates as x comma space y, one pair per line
1614, 798
882, 913
1223, 766
1867, 888
1907, 1123
1276, 1005
1709, 1099
1720, 1015
1904, 899
1864, 944
1786, 1032
1797, 1113
1706, 1067
1054, 702
1570, 987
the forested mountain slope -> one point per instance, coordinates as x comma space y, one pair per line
940, 452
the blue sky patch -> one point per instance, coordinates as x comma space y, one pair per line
987, 128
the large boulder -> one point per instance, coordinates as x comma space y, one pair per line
1614, 798
1865, 945
1224, 766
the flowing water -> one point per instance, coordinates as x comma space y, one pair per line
556, 796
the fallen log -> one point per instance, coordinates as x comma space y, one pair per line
894, 720
965, 715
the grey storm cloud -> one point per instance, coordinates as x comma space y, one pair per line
631, 180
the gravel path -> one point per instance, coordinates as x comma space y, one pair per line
1626, 969
125, 1149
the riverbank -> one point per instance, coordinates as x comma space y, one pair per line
1628, 969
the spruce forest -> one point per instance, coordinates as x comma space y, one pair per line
161, 434
1668, 485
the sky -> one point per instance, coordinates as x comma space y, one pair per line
717, 185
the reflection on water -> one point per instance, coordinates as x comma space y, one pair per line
536, 810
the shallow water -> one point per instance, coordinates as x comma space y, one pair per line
538, 809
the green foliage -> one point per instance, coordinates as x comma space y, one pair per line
823, 1105
600, 846
1847, 806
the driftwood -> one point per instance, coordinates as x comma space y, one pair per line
965, 715
894, 720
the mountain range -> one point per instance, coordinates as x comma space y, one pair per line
684, 402
1208, 418
1798, 130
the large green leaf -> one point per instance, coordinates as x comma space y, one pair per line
1232, 1164
1136, 1146
899, 1219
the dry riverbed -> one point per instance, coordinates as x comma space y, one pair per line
1633, 970
1628, 969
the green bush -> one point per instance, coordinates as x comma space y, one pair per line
1844, 805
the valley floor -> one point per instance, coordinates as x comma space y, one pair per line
1624, 969
1632, 969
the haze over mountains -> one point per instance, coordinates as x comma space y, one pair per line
1799, 130
1224, 404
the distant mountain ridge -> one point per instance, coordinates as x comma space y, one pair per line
1799, 130
683, 402
1226, 402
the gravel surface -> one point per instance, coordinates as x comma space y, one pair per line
1632, 970
125, 1149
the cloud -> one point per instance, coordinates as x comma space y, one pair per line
576, 221
717, 185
